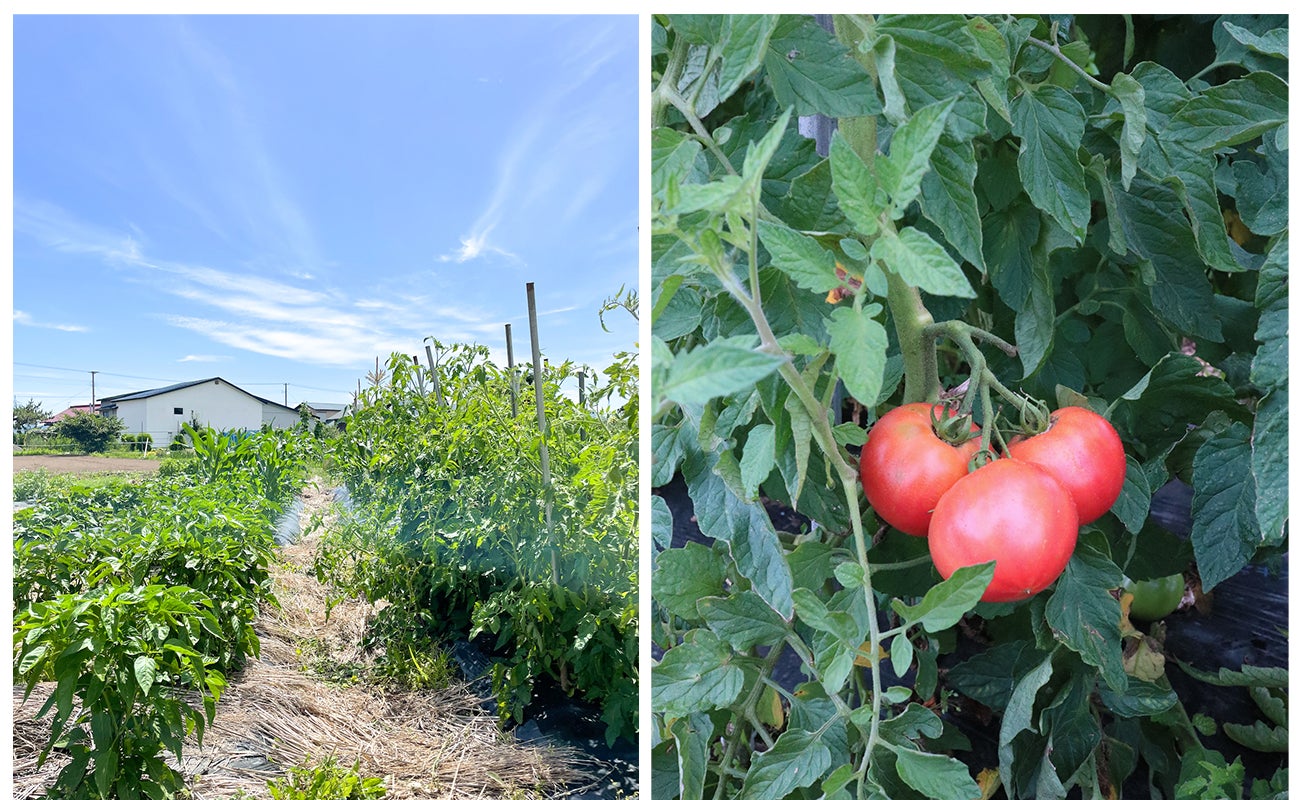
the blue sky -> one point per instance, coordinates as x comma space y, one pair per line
282, 199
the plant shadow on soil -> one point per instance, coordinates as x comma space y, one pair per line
1246, 625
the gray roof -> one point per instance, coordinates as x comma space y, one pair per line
110, 402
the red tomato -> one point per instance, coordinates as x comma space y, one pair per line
1082, 451
905, 467
1010, 512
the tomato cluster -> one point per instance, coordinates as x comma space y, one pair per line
1022, 511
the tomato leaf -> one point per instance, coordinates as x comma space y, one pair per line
808, 264
1231, 113
744, 41
945, 604
1131, 98
948, 198
856, 187
745, 527
921, 262
697, 675
1225, 531
859, 344
813, 73
1140, 699
743, 620
693, 735
1084, 615
1019, 716
909, 154
1050, 122
685, 575
661, 523
934, 775
1134, 501
718, 368
1009, 238
797, 760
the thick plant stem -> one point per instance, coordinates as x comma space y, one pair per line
920, 365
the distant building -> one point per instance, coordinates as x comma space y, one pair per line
328, 413
214, 402
67, 412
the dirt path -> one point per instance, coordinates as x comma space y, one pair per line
81, 464
278, 712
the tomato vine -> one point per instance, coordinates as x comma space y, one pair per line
1013, 208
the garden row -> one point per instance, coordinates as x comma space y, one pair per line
137, 600
471, 530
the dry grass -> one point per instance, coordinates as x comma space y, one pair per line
275, 715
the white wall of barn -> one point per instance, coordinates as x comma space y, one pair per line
218, 405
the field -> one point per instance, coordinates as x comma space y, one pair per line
80, 465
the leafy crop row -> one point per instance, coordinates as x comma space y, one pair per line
137, 599
458, 529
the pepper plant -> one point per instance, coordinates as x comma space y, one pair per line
1014, 214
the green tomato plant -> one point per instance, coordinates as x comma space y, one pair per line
458, 527
1014, 213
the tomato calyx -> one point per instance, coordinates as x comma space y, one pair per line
983, 457
1035, 416
956, 430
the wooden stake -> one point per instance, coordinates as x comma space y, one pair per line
541, 426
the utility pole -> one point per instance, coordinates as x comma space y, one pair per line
93, 410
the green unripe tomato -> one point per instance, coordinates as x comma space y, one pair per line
1155, 599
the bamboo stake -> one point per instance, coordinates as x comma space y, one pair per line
514, 379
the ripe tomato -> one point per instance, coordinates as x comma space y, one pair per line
1155, 599
905, 467
1082, 451
1010, 512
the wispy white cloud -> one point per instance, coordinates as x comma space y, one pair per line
23, 318
251, 311
202, 358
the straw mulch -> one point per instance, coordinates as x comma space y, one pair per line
276, 714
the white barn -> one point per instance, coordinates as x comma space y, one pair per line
214, 402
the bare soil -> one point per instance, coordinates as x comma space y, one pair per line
82, 464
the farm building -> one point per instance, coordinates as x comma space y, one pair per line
84, 408
215, 402
329, 413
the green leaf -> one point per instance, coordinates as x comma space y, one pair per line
921, 262
1035, 325
1225, 531
1085, 616
758, 154
1072, 729
675, 158
745, 527
935, 775
695, 676
718, 368
895, 103
758, 459
1140, 699
1134, 500
811, 204
1262, 195
811, 72
1156, 228
1019, 716
1193, 182
801, 431
856, 187
146, 671
990, 676
742, 620
859, 344
909, 154
1269, 459
810, 265
901, 653
1272, 43
1009, 239
797, 760
814, 613
1269, 368
686, 574
661, 523
1231, 113
1132, 99
943, 40
947, 602
1259, 737
948, 198
1050, 122
680, 315
693, 735
744, 41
